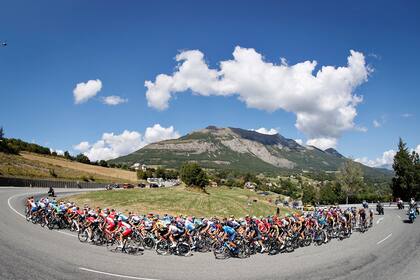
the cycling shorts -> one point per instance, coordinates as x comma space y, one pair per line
232, 237
127, 232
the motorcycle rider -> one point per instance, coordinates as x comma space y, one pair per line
51, 192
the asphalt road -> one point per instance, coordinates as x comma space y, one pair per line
389, 250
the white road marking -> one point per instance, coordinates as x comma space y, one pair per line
115, 275
399, 216
379, 220
389, 235
23, 216
13, 209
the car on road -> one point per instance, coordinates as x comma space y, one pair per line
128, 186
308, 207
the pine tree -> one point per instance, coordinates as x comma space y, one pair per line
404, 181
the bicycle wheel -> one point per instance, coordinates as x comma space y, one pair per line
148, 243
83, 235
202, 246
220, 251
289, 246
183, 249
243, 251
131, 247
162, 247
112, 245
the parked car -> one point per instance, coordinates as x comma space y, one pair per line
308, 207
128, 186
141, 185
152, 185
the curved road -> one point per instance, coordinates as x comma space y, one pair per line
390, 250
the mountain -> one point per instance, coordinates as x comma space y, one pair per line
242, 150
333, 152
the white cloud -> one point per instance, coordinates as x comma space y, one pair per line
114, 100
376, 123
158, 133
406, 115
322, 143
299, 141
385, 160
417, 149
324, 102
82, 146
361, 128
115, 145
59, 152
84, 91
264, 130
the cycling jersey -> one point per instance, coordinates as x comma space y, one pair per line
230, 232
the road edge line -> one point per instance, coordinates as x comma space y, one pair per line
113, 274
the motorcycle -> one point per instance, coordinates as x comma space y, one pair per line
51, 192
365, 205
380, 209
411, 215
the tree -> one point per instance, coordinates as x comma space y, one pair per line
142, 175
67, 155
103, 163
82, 158
330, 193
406, 179
193, 175
350, 177
160, 173
308, 193
1, 133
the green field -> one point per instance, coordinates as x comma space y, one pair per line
218, 201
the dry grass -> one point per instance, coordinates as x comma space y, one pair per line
30, 165
92, 169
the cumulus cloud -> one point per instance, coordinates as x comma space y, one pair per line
324, 102
264, 130
376, 123
113, 100
299, 141
82, 146
84, 91
59, 152
158, 133
115, 145
322, 143
385, 160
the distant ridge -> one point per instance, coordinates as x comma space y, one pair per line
242, 150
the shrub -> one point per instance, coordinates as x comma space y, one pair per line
193, 175
52, 173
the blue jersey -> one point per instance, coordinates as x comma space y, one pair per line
229, 230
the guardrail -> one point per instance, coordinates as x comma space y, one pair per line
41, 183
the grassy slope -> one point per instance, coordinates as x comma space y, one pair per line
30, 165
219, 202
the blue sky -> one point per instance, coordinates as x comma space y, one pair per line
53, 46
